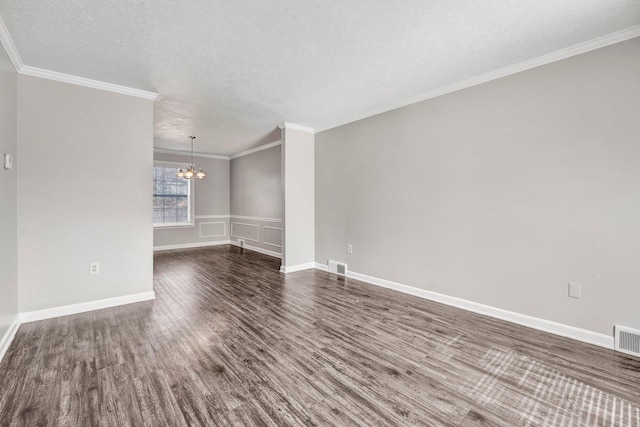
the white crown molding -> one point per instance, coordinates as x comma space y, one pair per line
568, 52
549, 326
10, 47
255, 150
287, 125
191, 245
7, 339
188, 154
49, 313
12, 51
298, 267
81, 81
259, 250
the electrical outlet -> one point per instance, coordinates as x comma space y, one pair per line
575, 290
241, 243
94, 268
8, 161
350, 248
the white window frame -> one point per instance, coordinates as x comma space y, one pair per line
191, 196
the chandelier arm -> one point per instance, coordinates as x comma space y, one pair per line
191, 168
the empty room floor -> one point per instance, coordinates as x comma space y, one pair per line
231, 341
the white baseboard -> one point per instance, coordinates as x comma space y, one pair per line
8, 337
191, 245
256, 249
49, 313
555, 328
320, 266
299, 267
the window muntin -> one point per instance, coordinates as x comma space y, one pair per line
172, 197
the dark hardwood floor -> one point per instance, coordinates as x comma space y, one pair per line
231, 341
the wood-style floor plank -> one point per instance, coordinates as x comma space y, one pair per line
230, 341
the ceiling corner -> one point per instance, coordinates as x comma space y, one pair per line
10, 47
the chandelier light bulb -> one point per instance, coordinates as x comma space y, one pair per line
191, 167
189, 173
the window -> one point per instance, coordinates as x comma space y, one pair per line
172, 197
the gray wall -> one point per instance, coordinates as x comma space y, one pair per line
211, 205
8, 195
256, 199
501, 193
84, 194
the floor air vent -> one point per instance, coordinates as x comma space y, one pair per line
337, 267
628, 340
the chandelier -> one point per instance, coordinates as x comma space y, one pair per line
191, 167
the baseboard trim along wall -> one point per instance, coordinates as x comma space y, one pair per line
191, 245
555, 328
299, 267
256, 249
8, 337
49, 313
217, 243
320, 266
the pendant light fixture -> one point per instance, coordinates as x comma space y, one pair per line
191, 168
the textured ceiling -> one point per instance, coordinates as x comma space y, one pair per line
230, 71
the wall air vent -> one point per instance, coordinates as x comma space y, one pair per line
337, 267
627, 340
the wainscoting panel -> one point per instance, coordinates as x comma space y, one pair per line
207, 230
261, 233
272, 236
213, 229
241, 230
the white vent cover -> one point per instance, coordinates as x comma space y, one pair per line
627, 340
337, 267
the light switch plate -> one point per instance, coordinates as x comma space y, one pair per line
8, 161
575, 290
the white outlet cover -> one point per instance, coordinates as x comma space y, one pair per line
8, 161
94, 268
